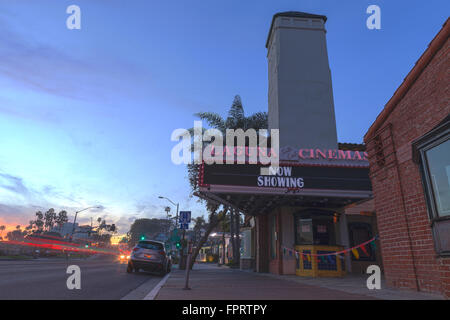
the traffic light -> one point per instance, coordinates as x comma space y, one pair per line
86, 246
178, 245
142, 238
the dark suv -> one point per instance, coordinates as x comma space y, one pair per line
150, 256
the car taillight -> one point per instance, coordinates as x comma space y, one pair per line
135, 249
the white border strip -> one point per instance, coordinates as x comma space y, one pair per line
154, 292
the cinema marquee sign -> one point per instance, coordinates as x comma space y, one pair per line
286, 177
299, 154
281, 177
332, 154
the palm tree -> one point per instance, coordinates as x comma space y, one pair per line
236, 119
39, 222
49, 218
61, 218
2, 228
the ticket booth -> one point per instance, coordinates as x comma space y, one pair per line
316, 233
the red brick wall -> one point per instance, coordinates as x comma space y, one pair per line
407, 245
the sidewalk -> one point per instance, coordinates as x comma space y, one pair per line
356, 284
209, 282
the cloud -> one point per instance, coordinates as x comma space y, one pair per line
13, 184
146, 208
123, 223
48, 69
15, 214
99, 208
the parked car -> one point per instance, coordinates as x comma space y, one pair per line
149, 255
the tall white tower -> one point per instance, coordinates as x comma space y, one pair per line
300, 92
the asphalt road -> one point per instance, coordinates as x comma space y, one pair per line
101, 278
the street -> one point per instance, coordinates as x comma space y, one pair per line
101, 278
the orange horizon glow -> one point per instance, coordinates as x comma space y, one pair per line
10, 227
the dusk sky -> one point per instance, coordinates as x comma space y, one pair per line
86, 115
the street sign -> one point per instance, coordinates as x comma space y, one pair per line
185, 217
184, 226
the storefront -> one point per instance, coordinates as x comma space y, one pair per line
312, 205
409, 152
308, 208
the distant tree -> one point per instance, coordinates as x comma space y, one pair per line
49, 219
146, 227
214, 219
112, 228
236, 120
199, 227
123, 240
16, 235
2, 228
39, 222
225, 227
61, 219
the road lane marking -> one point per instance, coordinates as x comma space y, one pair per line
154, 292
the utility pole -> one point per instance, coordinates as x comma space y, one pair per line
188, 267
75, 219
238, 238
176, 223
232, 233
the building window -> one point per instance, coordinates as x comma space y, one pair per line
437, 165
432, 152
304, 231
315, 228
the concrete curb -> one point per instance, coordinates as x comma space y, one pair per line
152, 294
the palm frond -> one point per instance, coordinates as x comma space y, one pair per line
214, 120
257, 121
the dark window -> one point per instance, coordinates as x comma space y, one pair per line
432, 152
304, 231
150, 245
437, 165
314, 228
360, 233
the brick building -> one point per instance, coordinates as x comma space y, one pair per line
409, 154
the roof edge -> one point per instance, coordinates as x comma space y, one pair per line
293, 14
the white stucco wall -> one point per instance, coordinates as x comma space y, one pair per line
300, 91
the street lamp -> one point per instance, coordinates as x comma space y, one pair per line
175, 204
176, 220
75, 219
